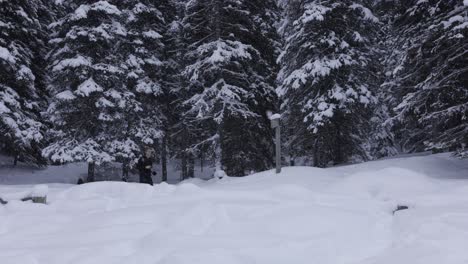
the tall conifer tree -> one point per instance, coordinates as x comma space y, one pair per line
106, 69
231, 72
427, 75
23, 37
327, 69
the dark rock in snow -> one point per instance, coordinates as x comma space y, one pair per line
400, 208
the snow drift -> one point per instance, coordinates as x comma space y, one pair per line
305, 215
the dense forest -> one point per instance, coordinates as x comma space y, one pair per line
354, 80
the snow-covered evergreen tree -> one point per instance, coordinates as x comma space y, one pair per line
231, 70
147, 22
382, 141
106, 71
172, 143
328, 66
196, 79
427, 77
23, 35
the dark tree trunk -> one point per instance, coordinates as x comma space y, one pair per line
164, 159
91, 169
202, 157
184, 166
316, 153
191, 166
125, 169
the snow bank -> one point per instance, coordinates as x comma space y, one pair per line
386, 184
304, 215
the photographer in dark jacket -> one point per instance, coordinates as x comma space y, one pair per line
144, 166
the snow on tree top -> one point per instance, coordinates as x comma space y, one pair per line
314, 12
317, 68
451, 21
72, 151
72, 63
366, 11
225, 50
10, 97
147, 86
152, 34
142, 8
3, 108
114, 94
358, 37
88, 87
6, 55
82, 11
25, 73
65, 95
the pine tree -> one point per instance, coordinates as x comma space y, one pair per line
148, 23
427, 78
23, 32
382, 142
105, 70
230, 71
173, 84
328, 67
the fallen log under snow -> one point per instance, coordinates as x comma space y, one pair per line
37, 195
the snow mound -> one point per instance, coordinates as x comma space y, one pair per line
386, 184
301, 216
108, 190
291, 192
40, 190
188, 189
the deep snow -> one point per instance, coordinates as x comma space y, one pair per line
305, 215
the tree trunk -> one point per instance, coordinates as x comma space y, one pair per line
164, 159
316, 154
125, 170
292, 162
218, 149
91, 169
202, 157
183, 167
191, 166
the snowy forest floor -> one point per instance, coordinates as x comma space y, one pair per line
304, 215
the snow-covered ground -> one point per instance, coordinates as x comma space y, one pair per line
305, 215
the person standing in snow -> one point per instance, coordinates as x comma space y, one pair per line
144, 166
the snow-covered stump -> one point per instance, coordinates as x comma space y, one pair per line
39, 194
219, 174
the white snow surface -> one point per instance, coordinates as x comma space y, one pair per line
304, 215
40, 190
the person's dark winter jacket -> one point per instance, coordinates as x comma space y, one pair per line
144, 167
